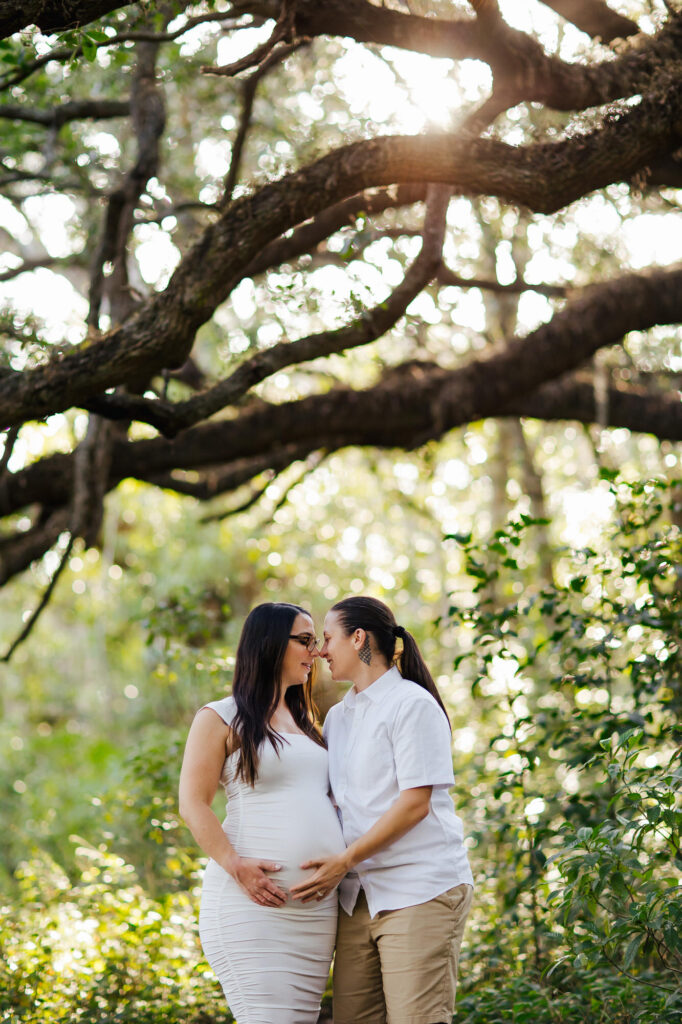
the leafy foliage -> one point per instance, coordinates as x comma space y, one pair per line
577, 798
568, 779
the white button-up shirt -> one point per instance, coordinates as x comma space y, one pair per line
389, 737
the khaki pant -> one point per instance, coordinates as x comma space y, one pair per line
401, 966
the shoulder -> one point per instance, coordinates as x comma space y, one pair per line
331, 717
415, 708
225, 708
407, 694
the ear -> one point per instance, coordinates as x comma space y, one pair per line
359, 637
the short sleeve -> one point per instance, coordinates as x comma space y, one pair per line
421, 745
226, 708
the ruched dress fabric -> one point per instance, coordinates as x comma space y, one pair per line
273, 962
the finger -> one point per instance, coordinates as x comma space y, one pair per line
269, 865
309, 864
306, 893
312, 882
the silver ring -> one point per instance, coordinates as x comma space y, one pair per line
320, 893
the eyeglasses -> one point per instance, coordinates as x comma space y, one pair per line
306, 640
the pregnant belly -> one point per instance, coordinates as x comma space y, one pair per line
288, 836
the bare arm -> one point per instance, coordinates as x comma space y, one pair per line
207, 745
408, 810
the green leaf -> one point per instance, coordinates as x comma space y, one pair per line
631, 950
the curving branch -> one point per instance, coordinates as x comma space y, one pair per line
306, 237
268, 52
517, 60
248, 89
449, 279
171, 419
26, 266
543, 177
595, 17
413, 403
574, 397
76, 110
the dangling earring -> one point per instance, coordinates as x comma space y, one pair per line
365, 652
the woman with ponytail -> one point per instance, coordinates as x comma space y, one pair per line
405, 885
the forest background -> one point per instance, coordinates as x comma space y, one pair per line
478, 421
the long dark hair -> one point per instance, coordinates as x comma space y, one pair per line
377, 618
257, 677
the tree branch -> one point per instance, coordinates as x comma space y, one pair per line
594, 17
305, 238
515, 58
413, 403
574, 398
543, 177
448, 278
267, 51
147, 108
76, 110
248, 89
21, 548
171, 419
219, 480
42, 604
45, 261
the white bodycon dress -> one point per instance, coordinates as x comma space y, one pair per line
273, 962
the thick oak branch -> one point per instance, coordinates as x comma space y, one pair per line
543, 177
414, 403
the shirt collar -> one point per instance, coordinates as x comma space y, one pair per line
376, 691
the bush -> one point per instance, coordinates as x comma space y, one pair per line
102, 951
574, 794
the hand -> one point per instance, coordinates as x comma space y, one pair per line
328, 873
249, 874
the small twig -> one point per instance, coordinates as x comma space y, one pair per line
249, 87
174, 210
10, 438
312, 463
283, 30
448, 278
46, 261
42, 604
253, 498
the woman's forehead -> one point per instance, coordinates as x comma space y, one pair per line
331, 621
303, 622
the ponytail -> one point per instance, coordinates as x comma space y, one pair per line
377, 618
413, 666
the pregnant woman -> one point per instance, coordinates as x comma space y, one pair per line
271, 954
